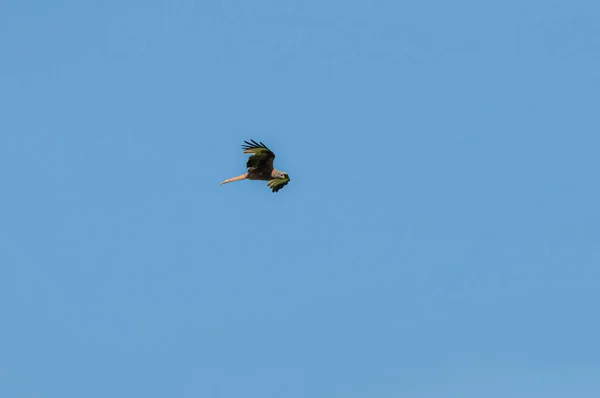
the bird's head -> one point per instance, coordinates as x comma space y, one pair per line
281, 174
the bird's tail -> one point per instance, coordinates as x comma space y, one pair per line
232, 179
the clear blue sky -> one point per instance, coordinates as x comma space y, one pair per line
440, 236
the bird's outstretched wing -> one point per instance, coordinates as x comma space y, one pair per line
278, 183
262, 157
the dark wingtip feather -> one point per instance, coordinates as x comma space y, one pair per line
253, 144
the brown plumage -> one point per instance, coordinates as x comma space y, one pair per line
260, 167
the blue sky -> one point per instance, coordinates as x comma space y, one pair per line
440, 235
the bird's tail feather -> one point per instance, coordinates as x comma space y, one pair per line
232, 179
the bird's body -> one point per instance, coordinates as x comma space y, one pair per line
263, 175
260, 167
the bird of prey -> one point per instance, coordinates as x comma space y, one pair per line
260, 167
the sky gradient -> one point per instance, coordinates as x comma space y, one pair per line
439, 237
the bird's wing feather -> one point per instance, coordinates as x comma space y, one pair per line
262, 157
277, 183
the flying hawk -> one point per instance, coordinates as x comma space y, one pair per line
260, 167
